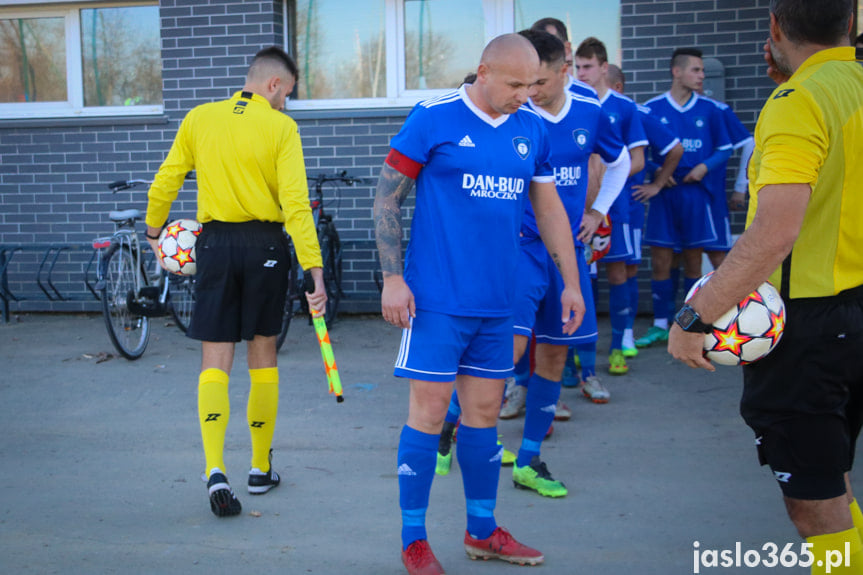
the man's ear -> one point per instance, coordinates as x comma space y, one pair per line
775, 31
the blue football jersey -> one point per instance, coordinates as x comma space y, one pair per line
577, 131
624, 115
660, 141
739, 135
580, 88
470, 198
699, 124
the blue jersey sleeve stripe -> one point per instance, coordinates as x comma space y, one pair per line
669, 147
743, 142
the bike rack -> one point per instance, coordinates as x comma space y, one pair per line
49, 254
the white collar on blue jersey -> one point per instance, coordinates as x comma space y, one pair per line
493, 122
556, 118
685, 108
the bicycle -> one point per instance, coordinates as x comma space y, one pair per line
131, 295
331, 255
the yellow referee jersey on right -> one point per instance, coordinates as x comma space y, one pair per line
249, 165
811, 132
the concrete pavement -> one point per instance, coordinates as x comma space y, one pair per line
101, 464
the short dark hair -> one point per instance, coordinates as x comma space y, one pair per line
806, 22
591, 47
278, 56
559, 27
549, 47
682, 55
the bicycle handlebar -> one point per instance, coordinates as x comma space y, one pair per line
342, 176
122, 185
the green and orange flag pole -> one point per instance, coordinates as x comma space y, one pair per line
332, 370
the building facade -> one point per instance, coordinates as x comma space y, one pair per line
54, 164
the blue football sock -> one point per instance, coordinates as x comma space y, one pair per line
618, 308
587, 355
454, 410
632, 284
662, 304
675, 286
542, 396
416, 458
479, 458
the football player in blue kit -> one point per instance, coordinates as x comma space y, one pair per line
577, 128
475, 155
591, 59
558, 29
665, 147
715, 180
681, 215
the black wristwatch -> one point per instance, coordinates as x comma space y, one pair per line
689, 320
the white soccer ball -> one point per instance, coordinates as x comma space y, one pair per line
748, 331
177, 247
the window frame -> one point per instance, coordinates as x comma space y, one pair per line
73, 106
499, 19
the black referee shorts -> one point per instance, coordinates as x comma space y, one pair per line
804, 401
242, 281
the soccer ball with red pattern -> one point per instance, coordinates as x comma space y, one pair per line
748, 331
600, 243
177, 247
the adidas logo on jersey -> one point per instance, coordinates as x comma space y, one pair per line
405, 469
466, 142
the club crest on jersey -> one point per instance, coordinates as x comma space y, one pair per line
580, 136
522, 147
699, 122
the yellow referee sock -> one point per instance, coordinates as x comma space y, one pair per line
261, 413
857, 516
838, 553
214, 411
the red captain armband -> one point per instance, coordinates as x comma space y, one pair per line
403, 165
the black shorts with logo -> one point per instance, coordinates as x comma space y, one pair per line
805, 400
241, 282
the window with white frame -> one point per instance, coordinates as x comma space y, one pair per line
80, 60
379, 53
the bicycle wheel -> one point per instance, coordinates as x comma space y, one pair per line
181, 292
288, 312
331, 252
128, 332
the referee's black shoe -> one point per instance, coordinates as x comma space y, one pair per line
223, 502
260, 482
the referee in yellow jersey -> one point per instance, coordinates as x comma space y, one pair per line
251, 182
805, 228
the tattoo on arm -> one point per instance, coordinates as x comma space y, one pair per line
393, 188
556, 259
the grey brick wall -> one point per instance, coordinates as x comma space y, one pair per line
52, 174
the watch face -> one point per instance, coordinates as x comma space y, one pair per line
686, 317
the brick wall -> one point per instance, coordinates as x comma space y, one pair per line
52, 174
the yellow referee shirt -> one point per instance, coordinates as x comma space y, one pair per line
249, 164
811, 132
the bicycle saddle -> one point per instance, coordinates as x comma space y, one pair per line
123, 215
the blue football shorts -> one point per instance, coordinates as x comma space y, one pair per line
538, 289
437, 347
680, 216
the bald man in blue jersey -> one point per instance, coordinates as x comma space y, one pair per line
475, 155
